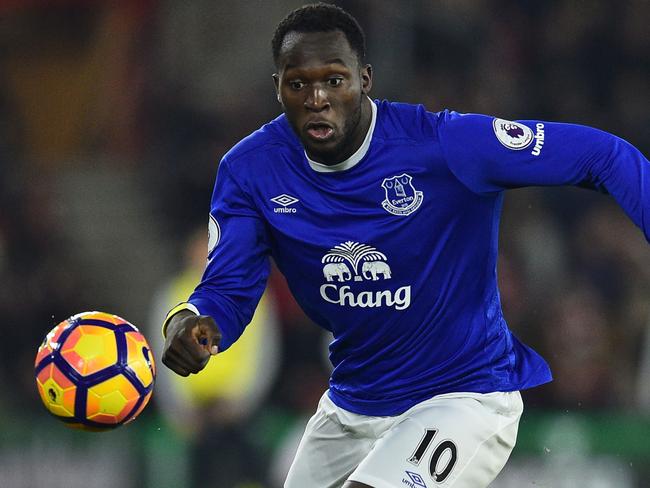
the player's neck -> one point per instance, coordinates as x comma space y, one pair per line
360, 132
358, 146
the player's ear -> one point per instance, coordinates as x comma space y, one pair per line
366, 79
276, 82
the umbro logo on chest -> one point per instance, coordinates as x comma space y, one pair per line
285, 203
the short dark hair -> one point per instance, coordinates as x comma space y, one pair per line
320, 17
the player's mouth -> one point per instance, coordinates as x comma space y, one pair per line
319, 131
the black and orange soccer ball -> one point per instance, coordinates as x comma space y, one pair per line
95, 371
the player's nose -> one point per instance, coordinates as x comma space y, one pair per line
316, 99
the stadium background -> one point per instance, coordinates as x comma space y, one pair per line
113, 115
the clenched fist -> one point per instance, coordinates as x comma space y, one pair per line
191, 340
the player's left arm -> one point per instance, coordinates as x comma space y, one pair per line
490, 155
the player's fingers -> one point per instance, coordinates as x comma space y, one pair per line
211, 341
208, 335
191, 347
176, 364
183, 363
172, 364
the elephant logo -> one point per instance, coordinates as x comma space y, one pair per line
340, 270
343, 262
372, 269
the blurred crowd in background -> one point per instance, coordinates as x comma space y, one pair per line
114, 115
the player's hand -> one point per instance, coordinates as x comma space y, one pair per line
191, 340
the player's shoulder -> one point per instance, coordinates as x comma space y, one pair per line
397, 120
260, 146
464, 121
412, 121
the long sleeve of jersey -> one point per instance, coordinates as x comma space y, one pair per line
490, 155
238, 265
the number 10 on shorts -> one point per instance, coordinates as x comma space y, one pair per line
445, 454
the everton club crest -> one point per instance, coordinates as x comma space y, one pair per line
401, 197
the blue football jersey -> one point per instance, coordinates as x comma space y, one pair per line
395, 249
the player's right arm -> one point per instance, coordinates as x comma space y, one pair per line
223, 303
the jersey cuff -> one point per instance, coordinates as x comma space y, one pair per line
178, 308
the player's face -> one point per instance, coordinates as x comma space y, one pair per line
322, 89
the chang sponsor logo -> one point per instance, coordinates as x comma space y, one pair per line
400, 298
351, 262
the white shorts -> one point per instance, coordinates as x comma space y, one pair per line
459, 440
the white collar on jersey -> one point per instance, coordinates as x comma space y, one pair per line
356, 157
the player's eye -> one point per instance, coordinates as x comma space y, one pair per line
334, 81
296, 85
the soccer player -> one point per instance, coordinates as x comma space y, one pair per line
383, 217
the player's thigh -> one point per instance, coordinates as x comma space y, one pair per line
449, 441
327, 453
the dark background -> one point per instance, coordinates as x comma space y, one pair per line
113, 117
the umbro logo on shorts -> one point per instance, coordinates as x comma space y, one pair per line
415, 480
